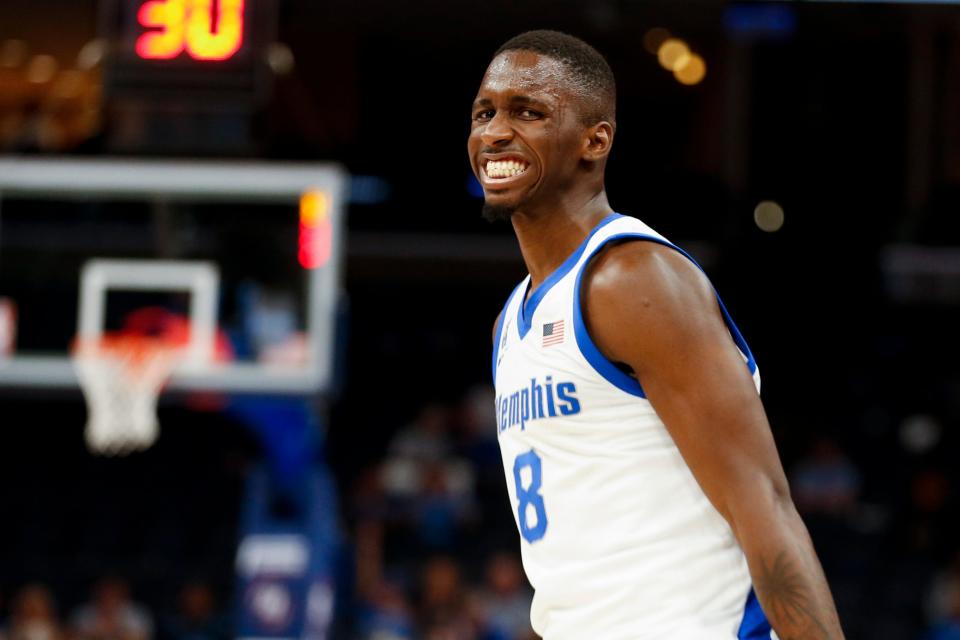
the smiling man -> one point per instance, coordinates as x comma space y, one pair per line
646, 486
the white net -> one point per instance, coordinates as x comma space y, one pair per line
121, 378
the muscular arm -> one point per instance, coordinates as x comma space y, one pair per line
649, 307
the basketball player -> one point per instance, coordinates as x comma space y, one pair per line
642, 473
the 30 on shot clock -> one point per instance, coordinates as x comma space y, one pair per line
200, 29
192, 33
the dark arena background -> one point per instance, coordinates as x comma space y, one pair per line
807, 153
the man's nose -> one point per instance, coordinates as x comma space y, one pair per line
497, 132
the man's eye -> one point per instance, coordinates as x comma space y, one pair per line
484, 115
529, 114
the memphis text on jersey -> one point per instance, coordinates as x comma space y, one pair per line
547, 400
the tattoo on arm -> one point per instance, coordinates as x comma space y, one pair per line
789, 601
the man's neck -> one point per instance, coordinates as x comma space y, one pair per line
547, 238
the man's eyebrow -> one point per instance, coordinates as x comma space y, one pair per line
521, 99
518, 99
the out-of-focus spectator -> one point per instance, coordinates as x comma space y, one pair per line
424, 442
503, 605
944, 593
112, 615
825, 482
439, 508
196, 617
445, 631
476, 422
443, 611
33, 616
368, 499
426, 489
949, 627
385, 614
427, 438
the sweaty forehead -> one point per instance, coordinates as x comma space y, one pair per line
525, 72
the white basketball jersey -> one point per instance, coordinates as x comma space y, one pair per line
617, 538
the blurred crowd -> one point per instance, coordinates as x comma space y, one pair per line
112, 614
437, 555
432, 548
436, 541
887, 534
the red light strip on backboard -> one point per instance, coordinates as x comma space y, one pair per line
315, 239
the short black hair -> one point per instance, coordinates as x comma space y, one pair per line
587, 67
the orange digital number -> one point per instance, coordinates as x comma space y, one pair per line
214, 40
206, 31
165, 19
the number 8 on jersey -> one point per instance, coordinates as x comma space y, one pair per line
528, 496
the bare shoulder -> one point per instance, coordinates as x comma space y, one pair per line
496, 323
638, 294
637, 274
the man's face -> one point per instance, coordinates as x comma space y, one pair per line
526, 138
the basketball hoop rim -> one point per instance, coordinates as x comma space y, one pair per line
137, 347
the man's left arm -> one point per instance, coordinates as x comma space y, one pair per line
650, 308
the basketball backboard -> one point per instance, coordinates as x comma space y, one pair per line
246, 254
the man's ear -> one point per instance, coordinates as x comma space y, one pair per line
598, 140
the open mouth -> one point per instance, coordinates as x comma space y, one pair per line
506, 168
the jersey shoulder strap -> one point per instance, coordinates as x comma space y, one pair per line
620, 229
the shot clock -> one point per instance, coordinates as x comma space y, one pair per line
203, 29
185, 48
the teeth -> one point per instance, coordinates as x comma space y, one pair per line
505, 168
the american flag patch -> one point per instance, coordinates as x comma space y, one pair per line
552, 333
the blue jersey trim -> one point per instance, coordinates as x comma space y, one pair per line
592, 354
754, 625
529, 306
499, 330
588, 348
